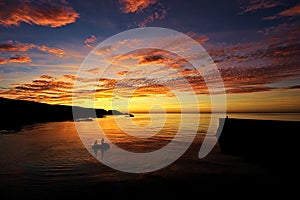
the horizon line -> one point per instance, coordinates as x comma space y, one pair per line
154, 112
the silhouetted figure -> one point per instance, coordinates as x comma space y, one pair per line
94, 147
103, 147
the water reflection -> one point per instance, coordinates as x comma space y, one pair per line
102, 147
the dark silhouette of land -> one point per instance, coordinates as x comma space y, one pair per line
268, 142
17, 113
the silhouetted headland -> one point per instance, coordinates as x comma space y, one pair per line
269, 142
17, 113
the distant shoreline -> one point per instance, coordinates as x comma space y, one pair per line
17, 113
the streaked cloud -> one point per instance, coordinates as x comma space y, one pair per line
131, 6
291, 12
41, 12
44, 89
253, 66
16, 47
245, 67
254, 5
88, 42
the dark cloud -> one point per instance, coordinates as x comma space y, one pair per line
152, 59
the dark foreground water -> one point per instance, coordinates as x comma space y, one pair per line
49, 161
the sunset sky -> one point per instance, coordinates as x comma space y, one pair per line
254, 43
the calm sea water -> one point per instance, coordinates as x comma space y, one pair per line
49, 155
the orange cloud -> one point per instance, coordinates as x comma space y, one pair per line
42, 12
57, 52
20, 59
89, 41
130, 6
